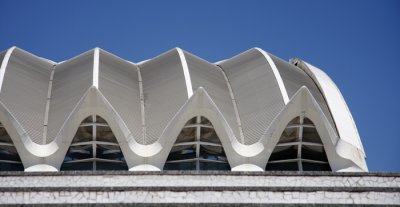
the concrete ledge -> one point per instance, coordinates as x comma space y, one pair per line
185, 205
208, 188
211, 172
196, 188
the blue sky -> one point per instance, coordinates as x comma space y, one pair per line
357, 43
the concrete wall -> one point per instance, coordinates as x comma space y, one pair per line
215, 187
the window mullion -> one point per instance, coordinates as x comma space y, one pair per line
94, 134
300, 164
198, 130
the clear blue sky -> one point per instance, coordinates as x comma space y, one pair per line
357, 43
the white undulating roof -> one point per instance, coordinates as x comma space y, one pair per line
250, 95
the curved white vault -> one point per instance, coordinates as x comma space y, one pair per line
249, 99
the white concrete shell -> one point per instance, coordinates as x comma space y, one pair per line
249, 99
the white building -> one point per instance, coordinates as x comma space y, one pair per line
96, 111
150, 122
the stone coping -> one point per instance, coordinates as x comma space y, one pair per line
202, 188
193, 204
204, 173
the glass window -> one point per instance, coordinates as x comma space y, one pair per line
9, 158
111, 166
84, 134
197, 148
212, 153
180, 166
209, 135
187, 134
284, 153
299, 148
289, 166
94, 151
289, 135
87, 120
4, 137
311, 135
104, 134
80, 152
182, 152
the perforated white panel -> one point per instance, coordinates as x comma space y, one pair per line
24, 91
210, 77
164, 91
119, 83
256, 91
71, 80
294, 78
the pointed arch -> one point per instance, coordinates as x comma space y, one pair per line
9, 157
341, 155
197, 147
94, 147
338, 108
299, 148
202, 104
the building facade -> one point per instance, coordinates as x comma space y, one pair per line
96, 111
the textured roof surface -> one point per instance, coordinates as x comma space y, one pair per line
248, 91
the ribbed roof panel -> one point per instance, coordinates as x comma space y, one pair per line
294, 78
72, 79
119, 83
256, 92
164, 90
24, 91
211, 78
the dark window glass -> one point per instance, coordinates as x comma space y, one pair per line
191, 121
88, 119
11, 167
180, 166
300, 132
105, 134
182, 152
77, 166
187, 135
294, 121
284, 153
194, 148
313, 153
311, 135
289, 135
9, 158
84, 134
205, 121
316, 167
214, 166
100, 120
110, 166
109, 152
4, 137
212, 153
9, 153
85, 157
290, 166
209, 135
307, 121
79, 152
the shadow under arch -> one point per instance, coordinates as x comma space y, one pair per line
299, 148
94, 103
341, 155
197, 147
19, 137
94, 147
201, 104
